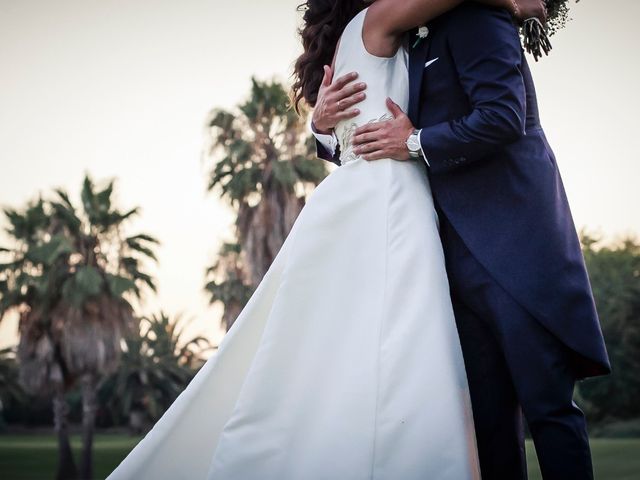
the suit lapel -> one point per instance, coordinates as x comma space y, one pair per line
417, 59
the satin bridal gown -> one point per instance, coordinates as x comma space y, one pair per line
345, 364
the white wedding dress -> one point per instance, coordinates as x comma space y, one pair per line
345, 364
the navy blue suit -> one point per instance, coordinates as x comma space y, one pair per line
524, 307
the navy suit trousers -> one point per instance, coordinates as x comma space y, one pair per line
515, 367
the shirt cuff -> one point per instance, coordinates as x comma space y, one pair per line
328, 141
421, 149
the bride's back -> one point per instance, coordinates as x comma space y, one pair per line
384, 76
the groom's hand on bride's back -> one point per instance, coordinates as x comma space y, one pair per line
384, 139
336, 99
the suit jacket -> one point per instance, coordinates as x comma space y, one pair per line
494, 175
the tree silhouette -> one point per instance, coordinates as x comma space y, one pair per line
264, 165
69, 275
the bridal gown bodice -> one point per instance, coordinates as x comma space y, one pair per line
345, 363
384, 77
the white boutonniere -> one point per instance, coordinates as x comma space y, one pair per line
423, 31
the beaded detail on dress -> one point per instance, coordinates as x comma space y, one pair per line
346, 137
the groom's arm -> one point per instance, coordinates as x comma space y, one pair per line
485, 46
327, 147
324, 153
333, 104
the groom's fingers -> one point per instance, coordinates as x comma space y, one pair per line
394, 108
328, 75
367, 148
364, 138
368, 127
350, 101
340, 82
347, 114
366, 133
345, 87
373, 151
376, 145
350, 90
377, 155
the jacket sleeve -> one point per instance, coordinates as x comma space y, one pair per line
486, 51
322, 151
325, 154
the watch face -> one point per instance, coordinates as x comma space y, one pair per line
413, 143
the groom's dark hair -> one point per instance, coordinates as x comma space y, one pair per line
324, 21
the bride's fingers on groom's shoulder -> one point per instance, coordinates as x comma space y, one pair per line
525, 9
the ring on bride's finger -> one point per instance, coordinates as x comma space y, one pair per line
339, 105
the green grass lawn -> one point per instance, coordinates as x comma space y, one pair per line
33, 457
613, 459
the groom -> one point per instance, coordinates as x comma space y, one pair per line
522, 299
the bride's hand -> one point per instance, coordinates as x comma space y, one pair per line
521, 9
335, 100
524, 9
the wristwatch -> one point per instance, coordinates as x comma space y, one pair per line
413, 144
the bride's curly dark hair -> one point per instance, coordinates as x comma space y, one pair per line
324, 21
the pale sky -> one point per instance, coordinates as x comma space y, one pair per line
122, 88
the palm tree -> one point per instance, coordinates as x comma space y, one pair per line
27, 286
264, 166
69, 276
156, 366
229, 283
10, 388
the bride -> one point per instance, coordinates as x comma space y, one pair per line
345, 363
